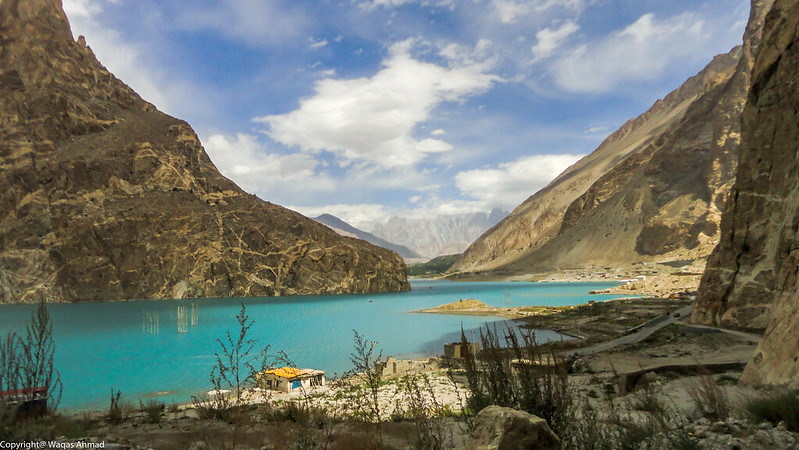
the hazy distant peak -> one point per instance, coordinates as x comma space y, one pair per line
346, 229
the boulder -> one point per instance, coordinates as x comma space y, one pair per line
497, 427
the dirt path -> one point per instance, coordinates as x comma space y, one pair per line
644, 332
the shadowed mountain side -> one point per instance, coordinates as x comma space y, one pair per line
103, 197
343, 228
652, 191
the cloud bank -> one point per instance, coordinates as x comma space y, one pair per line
511, 183
641, 51
373, 120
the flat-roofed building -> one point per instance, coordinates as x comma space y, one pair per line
288, 379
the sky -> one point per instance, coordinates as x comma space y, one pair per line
367, 109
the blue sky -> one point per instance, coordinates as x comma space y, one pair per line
371, 108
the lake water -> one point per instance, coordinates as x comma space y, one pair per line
136, 346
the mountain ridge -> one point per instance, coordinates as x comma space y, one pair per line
103, 197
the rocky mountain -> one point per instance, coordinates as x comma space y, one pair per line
103, 197
442, 235
755, 267
343, 228
739, 284
651, 192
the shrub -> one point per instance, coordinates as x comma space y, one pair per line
115, 413
709, 398
524, 375
419, 404
26, 363
783, 406
152, 410
234, 365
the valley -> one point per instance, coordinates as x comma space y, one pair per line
641, 293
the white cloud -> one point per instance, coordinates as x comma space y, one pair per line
246, 161
438, 132
511, 183
550, 39
81, 8
314, 45
600, 130
642, 51
509, 11
260, 23
121, 58
361, 216
372, 120
389, 4
479, 56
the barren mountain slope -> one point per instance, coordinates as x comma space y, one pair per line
651, 192
102, 197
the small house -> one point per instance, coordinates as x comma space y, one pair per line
458, 349
288, 379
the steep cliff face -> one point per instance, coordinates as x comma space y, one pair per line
745, 272
757, 260
102, 197
652, 192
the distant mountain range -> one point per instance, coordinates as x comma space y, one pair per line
441, 235
343, 228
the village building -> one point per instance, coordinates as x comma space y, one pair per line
458, 350
289, 379
26, 401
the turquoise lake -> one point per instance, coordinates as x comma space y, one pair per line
100, 346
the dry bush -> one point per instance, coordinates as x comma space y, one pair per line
152, 410
709, 398
115, 410
522, 375
26, 363
368, 363
418, 403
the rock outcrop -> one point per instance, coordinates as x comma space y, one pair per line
102, 197
753, 261
652, 192
499, 428
757, 261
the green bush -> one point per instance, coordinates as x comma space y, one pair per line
521, 375
152, 409
776, 408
